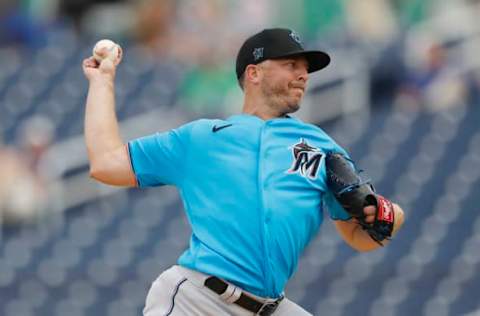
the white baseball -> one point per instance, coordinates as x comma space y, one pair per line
106, 48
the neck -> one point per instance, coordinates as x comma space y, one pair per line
259, 107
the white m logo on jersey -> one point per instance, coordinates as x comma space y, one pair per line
306, 160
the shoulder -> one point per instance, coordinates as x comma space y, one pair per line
201, 128
203, 124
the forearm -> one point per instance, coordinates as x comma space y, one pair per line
359, 239
101, 126
362, 241
108, 156
356, 237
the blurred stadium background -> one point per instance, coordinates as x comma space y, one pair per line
402, 95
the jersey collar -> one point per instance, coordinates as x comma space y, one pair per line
253, 118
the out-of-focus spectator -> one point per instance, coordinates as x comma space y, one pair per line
412, 11
387, 72
371, 23
76, 9
100, 18
20, 190
209, 31
433, 81
312, 18
205, 85
321, 17
206, 36
24, 190
205, 88
153, 26
201, 34
470, 55
19, 27
34, 138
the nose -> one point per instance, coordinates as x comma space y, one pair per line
303, 75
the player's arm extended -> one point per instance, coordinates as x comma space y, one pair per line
108, 155
358, 238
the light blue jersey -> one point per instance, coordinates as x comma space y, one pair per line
254, 192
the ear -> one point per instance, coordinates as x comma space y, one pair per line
253, 73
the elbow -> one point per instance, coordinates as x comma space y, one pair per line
95, 166
100, 175
105, 174
95, 173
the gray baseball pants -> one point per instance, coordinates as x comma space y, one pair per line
181, 292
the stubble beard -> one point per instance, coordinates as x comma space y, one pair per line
279, 98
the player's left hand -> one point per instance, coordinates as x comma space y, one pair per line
343, 179
370, 212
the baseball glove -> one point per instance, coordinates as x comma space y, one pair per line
354, 194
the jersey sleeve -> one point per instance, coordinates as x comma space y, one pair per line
335, 210
159, 159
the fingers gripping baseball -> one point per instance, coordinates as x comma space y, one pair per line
107, 49
106, 56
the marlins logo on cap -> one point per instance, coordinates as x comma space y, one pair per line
295, 37
257, 53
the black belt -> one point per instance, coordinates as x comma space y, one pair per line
218, 286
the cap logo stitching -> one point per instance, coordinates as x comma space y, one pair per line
257, 53
295, 37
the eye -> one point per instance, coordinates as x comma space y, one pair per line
290, 64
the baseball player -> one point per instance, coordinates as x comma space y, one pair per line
255, 186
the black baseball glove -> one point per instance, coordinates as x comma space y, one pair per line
354, 194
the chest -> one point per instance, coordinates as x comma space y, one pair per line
284, 156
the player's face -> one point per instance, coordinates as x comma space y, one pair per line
284, 83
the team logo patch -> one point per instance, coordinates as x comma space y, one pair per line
295, 37
306, 160
257, 53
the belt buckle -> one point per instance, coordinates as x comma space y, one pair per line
269, 308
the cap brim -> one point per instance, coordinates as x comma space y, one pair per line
316, 59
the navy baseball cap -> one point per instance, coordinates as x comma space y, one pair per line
277, 43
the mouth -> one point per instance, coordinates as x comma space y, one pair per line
299, 87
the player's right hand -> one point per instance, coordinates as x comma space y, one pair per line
97, 70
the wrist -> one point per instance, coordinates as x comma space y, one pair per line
102, 80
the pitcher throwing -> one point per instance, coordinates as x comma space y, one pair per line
255, 186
